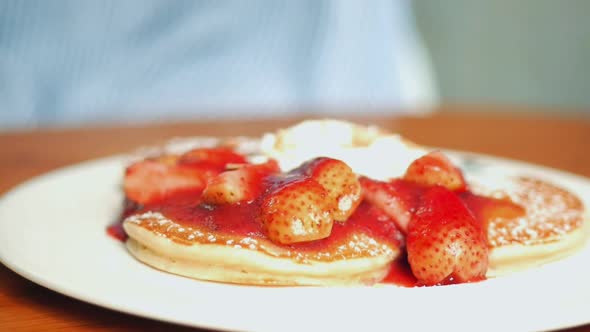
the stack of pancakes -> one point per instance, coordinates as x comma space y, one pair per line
552, 226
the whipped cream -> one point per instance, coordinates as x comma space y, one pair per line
367, 150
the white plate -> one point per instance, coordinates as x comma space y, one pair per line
52, 231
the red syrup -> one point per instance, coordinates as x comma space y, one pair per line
400, 273
241, 220
117, 232
487, 208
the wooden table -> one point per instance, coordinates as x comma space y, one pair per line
547, 140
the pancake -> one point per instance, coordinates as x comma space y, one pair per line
553, 226
199, 252
534, 222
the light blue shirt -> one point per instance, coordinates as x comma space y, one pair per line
73, 62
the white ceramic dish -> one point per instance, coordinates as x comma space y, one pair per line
52, 231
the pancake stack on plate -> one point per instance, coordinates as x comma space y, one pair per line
551, 225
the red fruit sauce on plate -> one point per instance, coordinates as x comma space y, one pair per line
240, 220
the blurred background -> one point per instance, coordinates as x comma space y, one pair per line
526, 52
71, 63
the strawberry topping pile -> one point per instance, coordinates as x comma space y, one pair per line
154, 179
302, 205
444, 241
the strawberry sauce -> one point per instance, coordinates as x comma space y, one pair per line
400, 273
235, 221
231, 221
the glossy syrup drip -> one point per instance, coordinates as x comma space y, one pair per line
400, 273
532, 212
116, 230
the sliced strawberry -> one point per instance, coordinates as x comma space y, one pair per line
436, 169
302, 204
397, 198
297, 210
149, 180
340, 182
155, 178
243, 184
444, 241
217, 158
